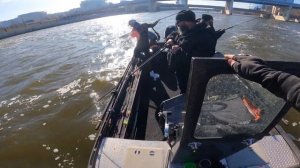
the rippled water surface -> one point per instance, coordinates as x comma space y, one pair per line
50, 80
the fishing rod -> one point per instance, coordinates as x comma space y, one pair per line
127, 34
127, 77
148, 60
132, 73
143, 64
158, 20
167, 16
240, 23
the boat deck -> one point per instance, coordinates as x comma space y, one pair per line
153, 93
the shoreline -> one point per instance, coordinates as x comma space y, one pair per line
35, 26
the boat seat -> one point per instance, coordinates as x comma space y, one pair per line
271, 151
126, 153
172, 110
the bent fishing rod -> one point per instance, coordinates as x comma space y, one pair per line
158, 20
167, 16
241, 23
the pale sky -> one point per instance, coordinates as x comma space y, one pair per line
10, 9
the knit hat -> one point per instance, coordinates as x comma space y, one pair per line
185, 15
169, 30
206, 17
133, 23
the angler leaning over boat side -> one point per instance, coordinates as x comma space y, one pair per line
140, 31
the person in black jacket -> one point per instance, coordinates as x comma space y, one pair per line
170, 29
191, 40
140, 31
281, 84
208, 21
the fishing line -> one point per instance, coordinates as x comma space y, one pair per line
240, 23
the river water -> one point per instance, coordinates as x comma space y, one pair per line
50, 81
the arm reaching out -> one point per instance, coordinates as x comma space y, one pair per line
281, 84
151, 25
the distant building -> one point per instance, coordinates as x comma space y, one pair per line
9, 23
32, 17
23, 19
92, 4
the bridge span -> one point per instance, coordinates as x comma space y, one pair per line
281, 8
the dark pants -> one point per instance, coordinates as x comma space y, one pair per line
180, 64
182, 78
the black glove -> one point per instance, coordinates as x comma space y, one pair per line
251, 67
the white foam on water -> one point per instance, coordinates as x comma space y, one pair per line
44, 124
57, 158
10, 104
49, 101
295, 31
233, 37
21, 115
8, 119
92, 137
46, 106
15, 98
48, 148
73, 92
281, 28
95, 97
3, 103
13, 102
44, 145
65, 89
294, 124
33, 98
87, 86
55, 150
251, 36
89, 81
18, 100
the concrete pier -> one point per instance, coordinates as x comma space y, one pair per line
183, 2
281, 13
153, 7
228, 7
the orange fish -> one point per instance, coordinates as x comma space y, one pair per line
254, 111
135, 34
